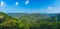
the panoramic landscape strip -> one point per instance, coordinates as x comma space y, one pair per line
29, 21
29, 14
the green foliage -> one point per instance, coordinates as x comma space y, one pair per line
29, 21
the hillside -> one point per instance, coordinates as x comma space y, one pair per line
7, 22
29, 21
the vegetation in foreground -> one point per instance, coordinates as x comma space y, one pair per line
32, 21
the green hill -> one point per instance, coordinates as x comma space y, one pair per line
7, 22
28, 21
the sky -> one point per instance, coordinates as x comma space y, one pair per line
30, 6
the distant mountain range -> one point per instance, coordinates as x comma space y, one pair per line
18, 15
23, 14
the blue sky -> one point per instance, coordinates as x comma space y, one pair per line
30, 6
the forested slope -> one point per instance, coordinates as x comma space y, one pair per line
29, 21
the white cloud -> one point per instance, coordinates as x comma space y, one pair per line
2, 4
50, 8
16, 3
53, 10
26, 2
